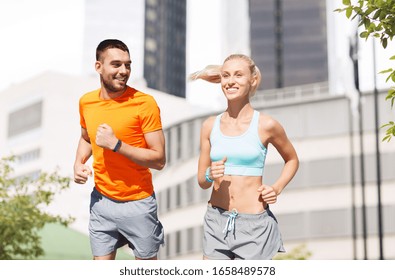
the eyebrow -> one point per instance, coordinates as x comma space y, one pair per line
120, 61
236, 71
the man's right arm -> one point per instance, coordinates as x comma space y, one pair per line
84, 152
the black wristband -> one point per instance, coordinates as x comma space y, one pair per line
117, 146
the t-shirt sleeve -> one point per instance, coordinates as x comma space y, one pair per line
150, 115
82, 119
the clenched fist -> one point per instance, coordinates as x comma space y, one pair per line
105, 137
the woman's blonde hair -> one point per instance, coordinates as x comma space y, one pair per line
212, 73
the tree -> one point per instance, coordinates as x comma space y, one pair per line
377, 18
22, 214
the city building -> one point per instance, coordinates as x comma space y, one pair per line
289, 41
165, 45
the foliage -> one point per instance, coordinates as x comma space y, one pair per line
298, 253
377, 17
22, 200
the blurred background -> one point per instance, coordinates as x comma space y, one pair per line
319, 80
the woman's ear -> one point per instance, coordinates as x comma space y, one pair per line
254, 81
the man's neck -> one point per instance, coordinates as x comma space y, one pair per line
106, 95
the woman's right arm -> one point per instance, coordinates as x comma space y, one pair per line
204, 158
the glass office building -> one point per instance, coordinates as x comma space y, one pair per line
288, 41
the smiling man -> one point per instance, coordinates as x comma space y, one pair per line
121, 128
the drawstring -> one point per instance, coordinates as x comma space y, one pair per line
230, 223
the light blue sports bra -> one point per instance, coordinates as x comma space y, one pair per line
245, 153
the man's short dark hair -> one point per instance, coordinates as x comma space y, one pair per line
110, 44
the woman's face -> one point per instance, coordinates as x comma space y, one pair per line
236, 79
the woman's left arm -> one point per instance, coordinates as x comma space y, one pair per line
279, 139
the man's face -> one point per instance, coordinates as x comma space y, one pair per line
114, 69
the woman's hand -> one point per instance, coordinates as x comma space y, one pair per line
268, 194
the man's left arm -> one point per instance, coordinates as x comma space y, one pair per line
153, 156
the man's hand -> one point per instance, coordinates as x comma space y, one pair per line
105, 137
81, 173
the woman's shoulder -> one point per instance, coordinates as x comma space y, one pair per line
209, 122
268, 123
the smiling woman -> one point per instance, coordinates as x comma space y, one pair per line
233, 148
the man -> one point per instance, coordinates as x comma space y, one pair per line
121, 128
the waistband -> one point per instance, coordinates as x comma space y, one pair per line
244, 216
101, 196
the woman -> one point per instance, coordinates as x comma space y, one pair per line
238, 223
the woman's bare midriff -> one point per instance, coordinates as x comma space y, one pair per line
238, 192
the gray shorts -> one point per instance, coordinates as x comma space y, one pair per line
113, 224
232, 235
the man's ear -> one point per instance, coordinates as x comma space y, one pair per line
98, 66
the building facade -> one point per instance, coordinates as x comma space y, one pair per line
289, 41
165, 45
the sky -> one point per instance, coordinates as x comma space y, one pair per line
39, 35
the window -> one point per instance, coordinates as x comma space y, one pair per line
29, 156
25, 119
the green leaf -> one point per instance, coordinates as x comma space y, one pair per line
392, 57
376, 14
372, 27
388, 78
386, 138
348, 12
384, 42
383, 14
379, 27
369, 10
366, 23
347, 2
390, 93
364, 34
390, 131
386, 71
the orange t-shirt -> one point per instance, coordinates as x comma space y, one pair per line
130, 116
